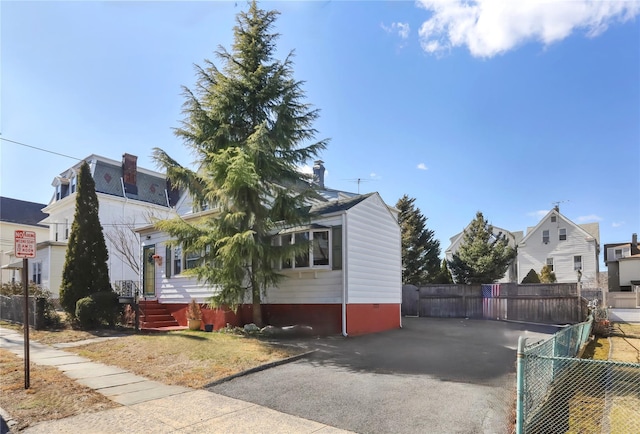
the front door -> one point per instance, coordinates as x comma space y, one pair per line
148, 271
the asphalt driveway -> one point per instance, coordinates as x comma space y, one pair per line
433, 376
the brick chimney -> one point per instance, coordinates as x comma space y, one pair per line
129, 169
318, 173
634, 244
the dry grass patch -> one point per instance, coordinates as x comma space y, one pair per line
625, 341
51, 395
184, 358
58, 336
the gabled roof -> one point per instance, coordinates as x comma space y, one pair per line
592, 227
21, 212
517, 236
339, 205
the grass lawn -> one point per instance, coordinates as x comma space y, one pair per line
185, 358
51, 395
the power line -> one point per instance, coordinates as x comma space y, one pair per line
40, 149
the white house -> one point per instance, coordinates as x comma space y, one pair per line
16, 215
127, 195
571, 250
623, 272
350, 281
513, 238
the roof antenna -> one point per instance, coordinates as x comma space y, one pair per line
556, 205
358, 181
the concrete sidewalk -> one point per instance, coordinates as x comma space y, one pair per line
149, 406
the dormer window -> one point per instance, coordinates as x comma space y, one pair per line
74, 183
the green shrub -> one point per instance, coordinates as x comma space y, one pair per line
108, 308
99, 309
87, 313
531, 277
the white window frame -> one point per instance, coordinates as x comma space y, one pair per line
310, 254
618, 253
553, 219
36, 273
562, 232
577, 260
545, 236
550, 263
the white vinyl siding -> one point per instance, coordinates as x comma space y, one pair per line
374, 273
533, 253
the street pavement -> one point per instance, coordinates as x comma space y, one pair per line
149, 406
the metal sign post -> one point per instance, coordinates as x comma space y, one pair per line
25, 247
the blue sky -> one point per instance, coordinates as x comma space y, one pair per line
499, 107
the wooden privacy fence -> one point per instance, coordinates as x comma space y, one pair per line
541, 303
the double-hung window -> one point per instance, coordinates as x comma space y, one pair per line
577, 263
562, 234
550, 263
545, 236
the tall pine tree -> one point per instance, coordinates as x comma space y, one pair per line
249, 128
483, 257
85, 269
420, 251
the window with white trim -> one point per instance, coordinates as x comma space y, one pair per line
562, 234
618, 253
318, 255
553, 219
550, 263
74, 184
545, 236
577, 263
36, 273
191, 260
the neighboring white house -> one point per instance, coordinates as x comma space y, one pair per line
127, 195
513, 239
350, 281
16, 215
571, 250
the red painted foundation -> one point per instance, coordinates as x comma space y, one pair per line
326, 319
372, 318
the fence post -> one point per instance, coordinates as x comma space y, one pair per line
520, 385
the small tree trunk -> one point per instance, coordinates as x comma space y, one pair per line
257, 308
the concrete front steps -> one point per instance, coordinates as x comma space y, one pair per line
155, 317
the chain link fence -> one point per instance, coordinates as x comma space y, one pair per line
560, 393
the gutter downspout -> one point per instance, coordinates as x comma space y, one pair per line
344, 275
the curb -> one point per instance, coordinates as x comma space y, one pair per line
258, 369
6, 422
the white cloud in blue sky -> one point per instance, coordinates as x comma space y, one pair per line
589, 218
402, 29
617, 224
488, 27
422, 166
538, 214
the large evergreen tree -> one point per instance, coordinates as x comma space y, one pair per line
85, 269
249, 129
483, 257
420, 250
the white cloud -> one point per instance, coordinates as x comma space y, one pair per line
402, 29
538, 214
373, 175
490, 27
617, 224
422, 166
306, 169
589, 218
